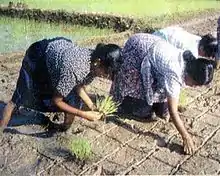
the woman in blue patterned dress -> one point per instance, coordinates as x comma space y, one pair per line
52, 77
151, 76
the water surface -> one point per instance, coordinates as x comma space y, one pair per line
18, 34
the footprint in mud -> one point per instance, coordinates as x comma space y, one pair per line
161, 142
181, 109
172, 146
99, 170
3, 80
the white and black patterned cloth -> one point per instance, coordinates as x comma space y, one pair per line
180, 38
49, 66
68, 65
152, 69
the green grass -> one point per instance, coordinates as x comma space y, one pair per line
106, 105
80, 148
128, 7
18, 34
183, 99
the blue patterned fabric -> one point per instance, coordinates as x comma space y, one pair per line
152, 69
180, 38
49, 66
67, 65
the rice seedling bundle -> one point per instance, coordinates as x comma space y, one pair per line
106, 105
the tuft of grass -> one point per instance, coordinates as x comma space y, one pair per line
106, 105
80, 148
183, 99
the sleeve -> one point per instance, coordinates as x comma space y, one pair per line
62, 76
172, 85
218, 39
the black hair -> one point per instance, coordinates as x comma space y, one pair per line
201, 70
209, 44
109, 54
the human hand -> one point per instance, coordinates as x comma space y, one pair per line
188, 145
92, 115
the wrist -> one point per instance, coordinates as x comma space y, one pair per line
186, 136
79, 113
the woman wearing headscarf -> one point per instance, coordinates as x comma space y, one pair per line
200, 46
151, 76
53, 75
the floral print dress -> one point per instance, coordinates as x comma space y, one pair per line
152, 69
52, 66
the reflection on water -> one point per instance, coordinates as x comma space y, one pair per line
18, 34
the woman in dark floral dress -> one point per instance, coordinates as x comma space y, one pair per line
52, 77
151, 76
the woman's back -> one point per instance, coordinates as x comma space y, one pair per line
164, 63
165, 58
68, 64
136, 48
180, 38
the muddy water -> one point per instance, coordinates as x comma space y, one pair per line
17, 34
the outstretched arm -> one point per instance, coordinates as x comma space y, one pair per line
187, 140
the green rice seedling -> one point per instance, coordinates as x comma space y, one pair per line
80, 148
183, 100
106, 105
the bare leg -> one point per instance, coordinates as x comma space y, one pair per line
161, 110
7, 113
68, 120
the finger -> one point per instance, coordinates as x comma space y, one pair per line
185, 149
190, 151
